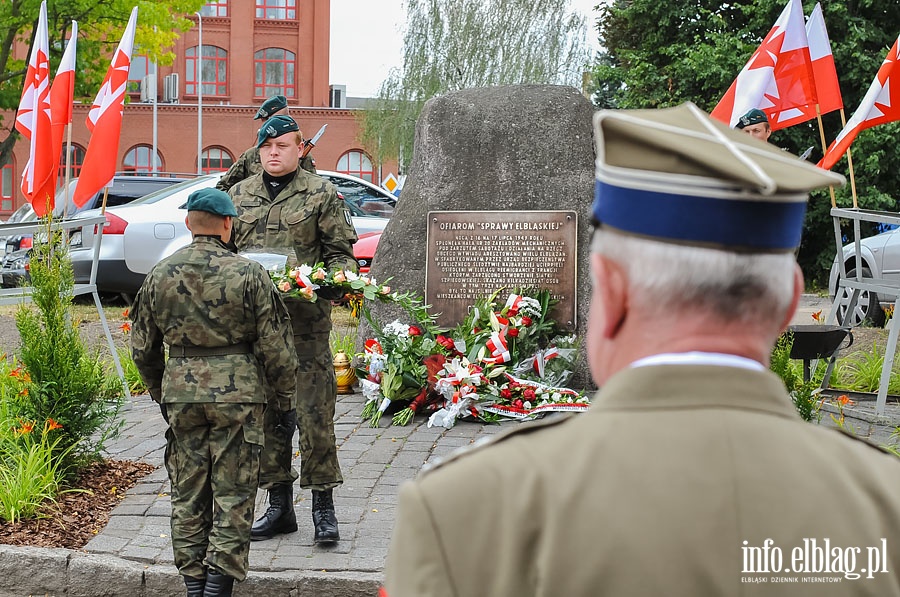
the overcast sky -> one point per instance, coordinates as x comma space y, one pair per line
367, 41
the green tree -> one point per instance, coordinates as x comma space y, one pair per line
660, 54
472, 43
100, 27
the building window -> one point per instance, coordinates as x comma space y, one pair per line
278, 10
138, 160
274, 73
216, 159
76, 159
358, 164
215, 8
6, 187
215, 71
137, 72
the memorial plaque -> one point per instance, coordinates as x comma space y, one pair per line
473, 253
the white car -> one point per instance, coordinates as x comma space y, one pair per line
139, 235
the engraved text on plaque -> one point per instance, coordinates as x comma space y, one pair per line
473, 253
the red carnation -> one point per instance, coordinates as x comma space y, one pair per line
519, 404
528, 394
526, 321
513, 332
414, 331
505, 394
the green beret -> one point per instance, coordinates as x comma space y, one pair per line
211, 200
754, 116
275, 127
270, 106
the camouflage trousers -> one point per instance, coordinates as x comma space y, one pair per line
315, 404
212, 456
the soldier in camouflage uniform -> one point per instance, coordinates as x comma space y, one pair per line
249, 164
228, 336
287, 208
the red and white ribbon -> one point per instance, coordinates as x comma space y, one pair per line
496, 344
512, 304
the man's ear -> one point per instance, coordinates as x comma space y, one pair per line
187, 222
611, 286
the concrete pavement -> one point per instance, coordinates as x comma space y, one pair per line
133, 554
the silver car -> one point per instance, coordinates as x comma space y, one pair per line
138, 235
880, 255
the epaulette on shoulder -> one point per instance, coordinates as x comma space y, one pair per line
490, 440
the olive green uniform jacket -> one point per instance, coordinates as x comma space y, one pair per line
249, 164
652, 492
308, 217
203, 295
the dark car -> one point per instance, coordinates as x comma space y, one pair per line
14, 269
123, 189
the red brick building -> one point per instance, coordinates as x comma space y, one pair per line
251, 50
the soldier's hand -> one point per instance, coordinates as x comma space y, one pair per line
287, 421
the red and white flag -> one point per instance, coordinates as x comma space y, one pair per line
880, 105
62, 94
105, 121
828, 90
33, 121
777, 77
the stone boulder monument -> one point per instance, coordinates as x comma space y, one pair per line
510, 152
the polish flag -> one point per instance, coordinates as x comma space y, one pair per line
33, 121
880, 105
105, 121
777, 78
62, 94
828, 90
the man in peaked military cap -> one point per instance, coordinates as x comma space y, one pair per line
756, 124
228, 333
286, 208
692, 465
248, 163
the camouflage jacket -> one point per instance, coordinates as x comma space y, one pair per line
206, 296
249, 164
306, 216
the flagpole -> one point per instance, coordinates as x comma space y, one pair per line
850, 164
68, 174
824, 149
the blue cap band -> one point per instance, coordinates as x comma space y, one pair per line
729, 223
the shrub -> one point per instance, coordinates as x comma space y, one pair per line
802, 392
67, 383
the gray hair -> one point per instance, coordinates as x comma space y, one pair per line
666, 279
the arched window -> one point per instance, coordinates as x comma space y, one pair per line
138, 160
6, 187
356, 163
137, 72
215, 71
279, 10
215, 8
274, 73
76, 160
216, 159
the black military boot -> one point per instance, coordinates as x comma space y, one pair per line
218, 585
194, 586
324, 520
279, 517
